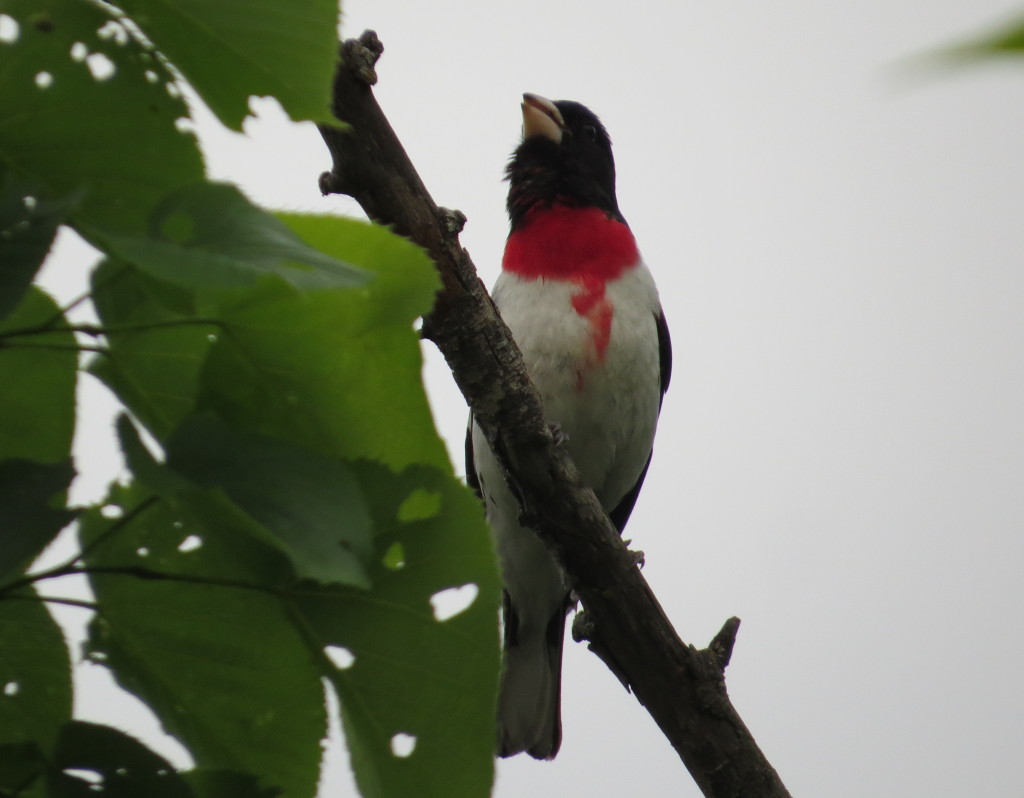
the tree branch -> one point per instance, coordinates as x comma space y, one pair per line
681, 687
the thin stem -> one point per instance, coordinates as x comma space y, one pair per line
68, 567
114, 329
141, 572
87, 605
97, 330
102, 350
69, 602
69, 307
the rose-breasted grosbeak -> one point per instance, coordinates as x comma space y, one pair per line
584, 310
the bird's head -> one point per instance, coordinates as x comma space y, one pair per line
565, 158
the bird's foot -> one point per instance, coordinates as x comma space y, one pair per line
585, 629
559, 437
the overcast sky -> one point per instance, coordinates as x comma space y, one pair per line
839, 243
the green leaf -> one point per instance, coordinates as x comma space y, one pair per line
32, 510
303, 504
230, 50
208, 235
21, 764
157, 344
1006, 40
113, 138
406, 280
204, 637
28, 224
38, 369
311, 503
120, 766
225, 784
35, 674
337, 371
412, 674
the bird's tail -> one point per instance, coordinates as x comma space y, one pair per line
529, 705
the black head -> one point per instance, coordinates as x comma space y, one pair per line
566, 156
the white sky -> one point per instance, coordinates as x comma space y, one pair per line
839, 244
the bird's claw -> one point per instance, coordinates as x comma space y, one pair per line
559, 437
584, 629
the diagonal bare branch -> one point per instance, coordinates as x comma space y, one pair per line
683, 688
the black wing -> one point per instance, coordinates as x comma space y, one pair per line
620, 514
472, 480
664, 350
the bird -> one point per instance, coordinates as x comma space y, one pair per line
583, 308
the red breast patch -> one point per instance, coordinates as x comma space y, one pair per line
566, 243
580, 245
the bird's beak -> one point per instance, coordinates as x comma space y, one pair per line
541, 118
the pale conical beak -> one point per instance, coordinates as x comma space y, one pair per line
541, 118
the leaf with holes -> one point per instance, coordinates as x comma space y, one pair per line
89, 109
28, 224
35, 673
310, 502
207, 640
38, 371
303, 504
93, 759
417, 693
229, 52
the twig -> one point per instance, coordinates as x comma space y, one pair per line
87, 605
69, 566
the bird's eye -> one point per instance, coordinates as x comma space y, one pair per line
590, 132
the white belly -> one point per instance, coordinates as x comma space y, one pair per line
606, 406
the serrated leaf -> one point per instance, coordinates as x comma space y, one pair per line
87, 108
120, 766
35, 674
305, 505
226, 784
336, 371
38, 371
406, 280
157, 344
164, 482
311, 503
32, 510
230, 50
209, 644
208, 235
412, 674
28, 225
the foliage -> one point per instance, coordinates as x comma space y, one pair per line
291, 523
1004, 40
